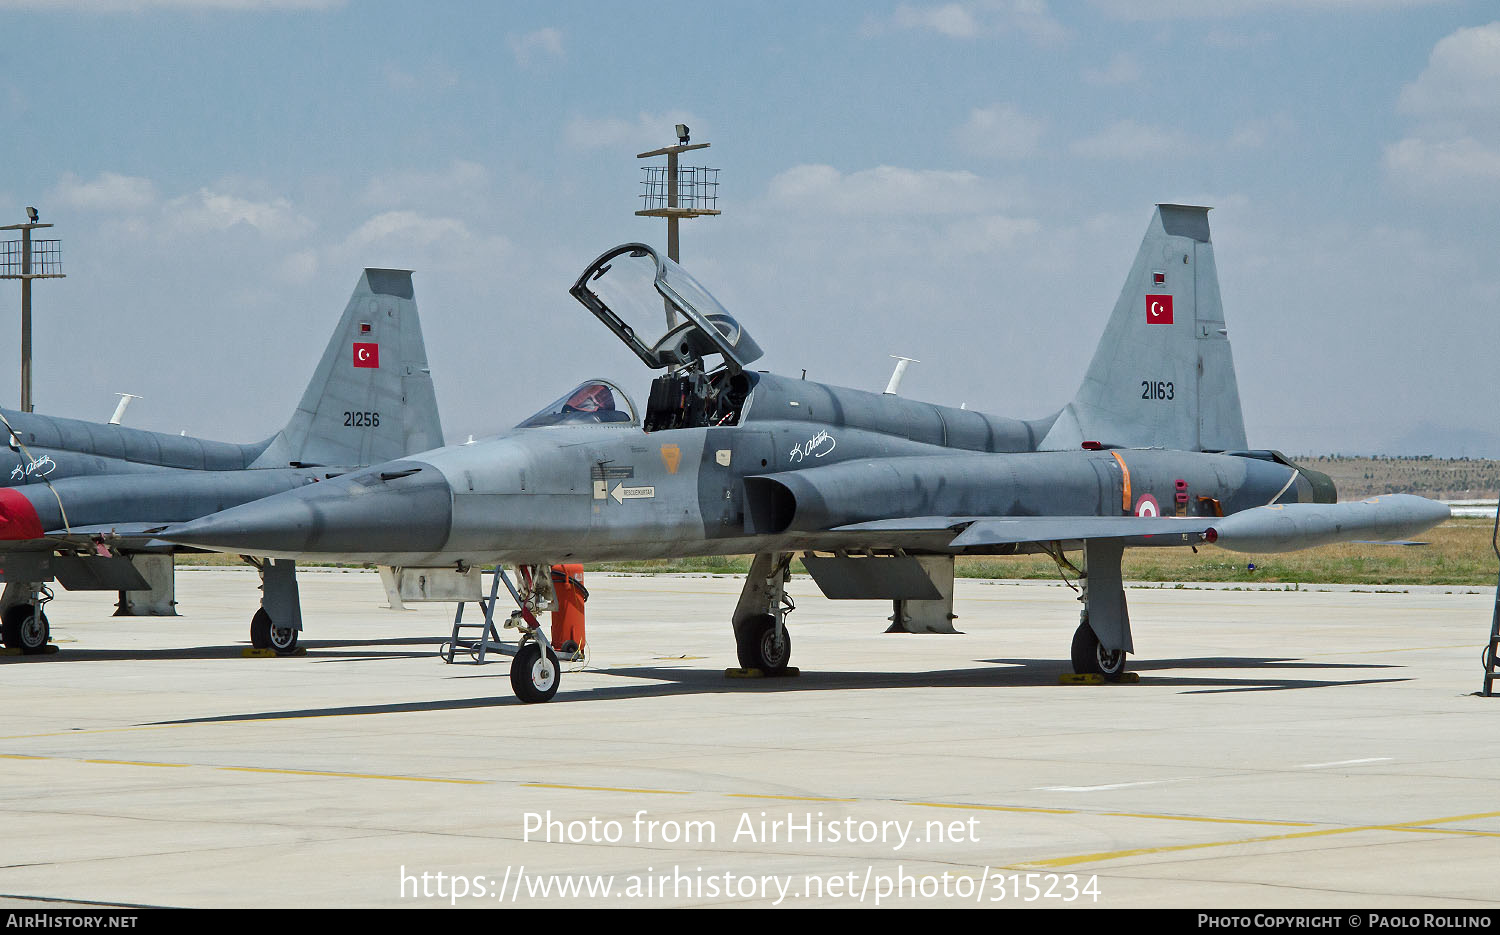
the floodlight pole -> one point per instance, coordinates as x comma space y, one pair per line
672, 211
26, 275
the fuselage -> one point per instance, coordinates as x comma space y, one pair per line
58, 474
598, 492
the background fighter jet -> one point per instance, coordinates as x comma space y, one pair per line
877, 493
79, 500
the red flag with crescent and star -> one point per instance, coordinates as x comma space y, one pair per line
1158, 310
367, 355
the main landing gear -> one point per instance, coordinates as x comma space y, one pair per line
760, 637
1102, 640
1089, 655
278, 622
24, 625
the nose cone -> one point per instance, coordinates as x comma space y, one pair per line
402, 506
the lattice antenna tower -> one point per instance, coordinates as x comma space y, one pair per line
676, 192
28, 259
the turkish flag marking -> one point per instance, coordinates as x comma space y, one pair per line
1158, 310
367, 355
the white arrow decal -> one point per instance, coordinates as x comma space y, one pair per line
621, 493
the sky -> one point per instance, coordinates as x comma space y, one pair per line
963, 183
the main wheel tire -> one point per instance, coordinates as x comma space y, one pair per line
283, 640
758, 648
260, 630
10, 624
534, 673
26, 628
1091, 658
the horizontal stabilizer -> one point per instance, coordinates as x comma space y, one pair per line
1291, 526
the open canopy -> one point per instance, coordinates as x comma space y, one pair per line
660, 311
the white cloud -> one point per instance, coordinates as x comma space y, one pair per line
1461, 78
1260, 132
987, 233
461, 181
109, 192
646, 131
427, 78
136, 6
533, 46
885, 191
1127, 139
1227, 9
1122, 69
951, 19
1001, 130
972, 19
207, 210
1454, 148
298, 268
1433, 165
416, 240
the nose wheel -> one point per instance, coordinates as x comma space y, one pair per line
534, 673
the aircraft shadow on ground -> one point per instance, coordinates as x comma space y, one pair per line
663, 681
316, 650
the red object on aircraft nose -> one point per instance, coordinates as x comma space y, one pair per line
18, 519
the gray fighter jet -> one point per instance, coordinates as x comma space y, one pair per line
79, 500
875, 493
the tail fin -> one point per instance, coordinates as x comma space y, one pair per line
1163, 375
371, 398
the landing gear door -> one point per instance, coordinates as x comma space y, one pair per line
661, 312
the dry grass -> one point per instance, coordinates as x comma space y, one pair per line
1437, 478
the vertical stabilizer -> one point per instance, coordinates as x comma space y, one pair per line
1163, 375
371, 398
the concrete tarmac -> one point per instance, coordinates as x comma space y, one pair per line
1307, 748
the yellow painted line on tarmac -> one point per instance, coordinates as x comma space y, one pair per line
555, 785
91, 730
1376, 652
999, 808
789, 798
1146, 815
1102, 856
253, 769
1458, 831
338, 775
1219, 821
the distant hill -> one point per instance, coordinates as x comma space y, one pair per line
1437, 478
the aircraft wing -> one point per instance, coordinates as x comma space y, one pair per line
132, 537
1276, 528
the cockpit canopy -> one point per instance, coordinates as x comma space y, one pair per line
634, 292
590, 403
